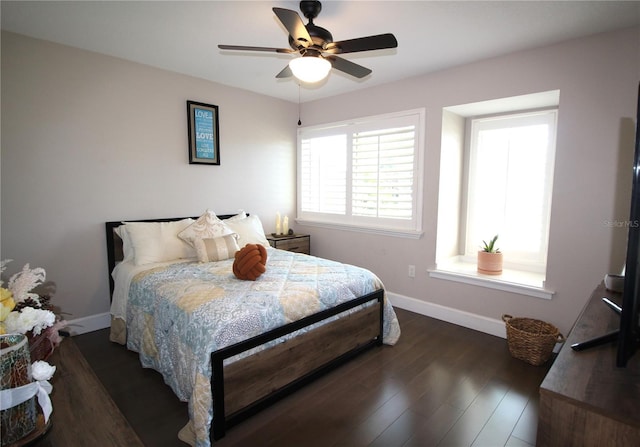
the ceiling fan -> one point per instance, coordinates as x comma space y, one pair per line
316, 46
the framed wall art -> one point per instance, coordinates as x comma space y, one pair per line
204, 137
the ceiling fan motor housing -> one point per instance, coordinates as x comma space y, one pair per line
319, 36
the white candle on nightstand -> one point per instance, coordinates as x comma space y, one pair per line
277, 223
285, 225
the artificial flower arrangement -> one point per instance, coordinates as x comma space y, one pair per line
24, 312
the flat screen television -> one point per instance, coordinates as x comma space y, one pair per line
628, 335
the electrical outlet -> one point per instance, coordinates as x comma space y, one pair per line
412, 271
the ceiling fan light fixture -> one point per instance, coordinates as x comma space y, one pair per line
310, 68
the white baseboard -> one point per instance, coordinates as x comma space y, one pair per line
461, 318
89, 324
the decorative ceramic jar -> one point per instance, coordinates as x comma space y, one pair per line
15, 371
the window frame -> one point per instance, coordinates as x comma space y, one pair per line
449, 265
550, 117
396, 227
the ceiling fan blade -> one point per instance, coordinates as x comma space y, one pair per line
378, 42
348, 67
245, 48
285, 73
294, 25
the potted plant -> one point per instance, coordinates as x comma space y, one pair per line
490, 258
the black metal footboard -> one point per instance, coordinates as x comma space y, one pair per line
221, 421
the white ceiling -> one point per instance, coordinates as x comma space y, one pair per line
182, 36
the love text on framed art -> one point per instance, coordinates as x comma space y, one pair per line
204, 136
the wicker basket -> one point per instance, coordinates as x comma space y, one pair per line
531, 340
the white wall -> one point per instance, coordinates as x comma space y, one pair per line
598, 81
88, 138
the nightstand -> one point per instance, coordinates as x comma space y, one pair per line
300, 243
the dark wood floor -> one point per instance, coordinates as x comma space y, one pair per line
441, 385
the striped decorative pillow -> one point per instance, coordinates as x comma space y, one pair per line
217, 248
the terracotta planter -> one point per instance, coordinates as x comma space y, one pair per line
489, 263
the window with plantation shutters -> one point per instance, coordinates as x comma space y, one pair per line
383, 165
363, 174
323, 165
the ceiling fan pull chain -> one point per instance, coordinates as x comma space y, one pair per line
299, 121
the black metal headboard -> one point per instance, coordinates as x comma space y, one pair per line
115, 252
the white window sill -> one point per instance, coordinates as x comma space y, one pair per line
514, 281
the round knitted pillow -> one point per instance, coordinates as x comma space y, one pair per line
250, 262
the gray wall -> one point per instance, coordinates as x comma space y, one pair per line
88, 138
598, 82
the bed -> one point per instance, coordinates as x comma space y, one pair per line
231, 347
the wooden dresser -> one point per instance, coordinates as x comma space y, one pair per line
83, 412
585, 400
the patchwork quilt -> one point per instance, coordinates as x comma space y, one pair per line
178, 314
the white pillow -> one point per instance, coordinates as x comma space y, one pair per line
217, 248
127, 248
248, 228
158, 241
206, 226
